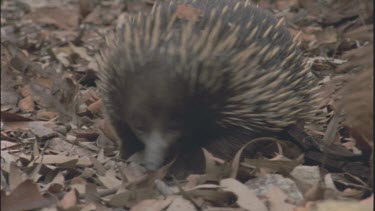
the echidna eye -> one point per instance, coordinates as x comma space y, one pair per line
139, 129
172, 126
138, 125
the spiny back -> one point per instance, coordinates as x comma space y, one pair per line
240, 57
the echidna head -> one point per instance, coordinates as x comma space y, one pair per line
154, 109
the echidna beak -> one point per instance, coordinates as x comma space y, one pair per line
155, 151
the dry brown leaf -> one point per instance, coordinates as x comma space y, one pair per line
25, 197
87, 134
286, 4
85, 7
368, 201
277, 200
91, 193
59, 159
314, 193
44, 82
109, 180
361, 57
62, 17
327, 36
308, 207
332, 131
16, 177
283, 166
357, 102
57, 184
27, 104
152, 204
237, 157
305, 36
39, 128
79, 184
6, 160
180, 203
108, 131
9, 98
10, 117
100, 169
352, 193
130, 198
215, 196
342, 206
308, 175
188, 12
46, 115
223, 209
69, 200
144, 205
95, 107
247, 199
330, 12
192, 181
362, 33
6, 144
81, 51
131, 172
213, 171
26, 91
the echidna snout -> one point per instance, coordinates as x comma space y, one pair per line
155, 112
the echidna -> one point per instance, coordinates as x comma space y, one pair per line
202, 73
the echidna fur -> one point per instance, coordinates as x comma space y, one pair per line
234, 72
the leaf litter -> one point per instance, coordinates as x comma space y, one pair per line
59, 153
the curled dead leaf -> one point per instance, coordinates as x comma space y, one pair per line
188, 12
27, 104
247, 198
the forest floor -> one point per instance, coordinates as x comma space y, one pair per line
58, 152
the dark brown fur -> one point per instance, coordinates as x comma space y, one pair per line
173, 85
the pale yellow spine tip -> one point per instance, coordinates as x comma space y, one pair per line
297, 38
281, 22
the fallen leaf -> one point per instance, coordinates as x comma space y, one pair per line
86, 7
81, 51
26, 91
10, 117
308, 175
16, 176
130, 198
247, 199
39, 128
6, 144
109, 180
180, 203
277, 200
358, 58
46, 115
237, 157
25, 197
59, 159
188, 12
95, 107
27, 104
327, 36
69, 200
62, 17
152, 204
100, 169
283, 166
216, 196
342, 206
262, 185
